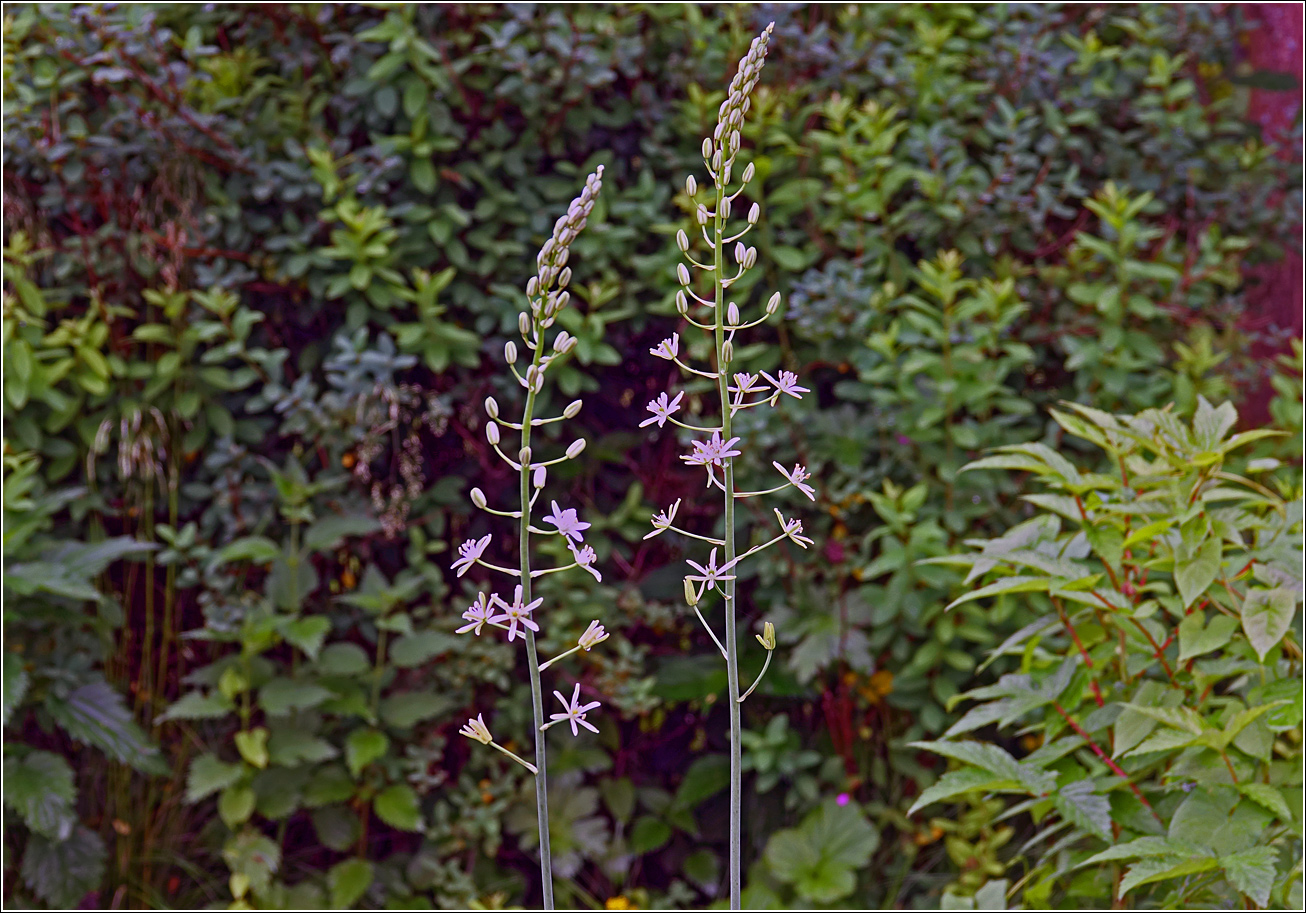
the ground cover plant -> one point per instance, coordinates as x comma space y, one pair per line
261, 266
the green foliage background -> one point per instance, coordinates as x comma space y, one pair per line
260, 263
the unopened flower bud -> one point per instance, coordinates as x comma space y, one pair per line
740, 251
691, 597
532, 286
734, 137
750, 258
560, 341
707, 148
492, 433
732, 314
510, 352
532, 372
525, 456
727, 351
682, 303
725, 208
716, 162
572, 410
538, 479
491, 407
702, 214
725, 174
754, 213
524, 324
575, 449
691, 185
767, 637
478, 498
749, 172
538, 384
563, 300
682, 273
564, 277
682, 241
773, 304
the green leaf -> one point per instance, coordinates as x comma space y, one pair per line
308, 634
256, 549
63, 872
705, 777
648, 835
282, 695
1150, 870
1007, 585
398, 806
1252, 872
960, 782
343, 660
1142, 847
337, 827
254, 856
1269, 798
363, 747
236, 804
196, 705
1197, 638
996, 761
348, 881
291, 746
1267, 616
1192, 575
411, 707
208, 774
39, 788
97, 715
1079, 804
415, 649
14, 685
328, 532
820, 857
253, 746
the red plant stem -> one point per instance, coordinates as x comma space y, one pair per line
1159, 651
1088, 662
1106, 759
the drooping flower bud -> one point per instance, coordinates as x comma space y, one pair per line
754, 212
691, 185
748, 173
577, 446
492, 433
540, 476
691, 597
478, 498
491, 407
682, 241
767, 637
682, 273
572, 410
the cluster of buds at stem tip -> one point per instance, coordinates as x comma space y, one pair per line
547, 289
720, 148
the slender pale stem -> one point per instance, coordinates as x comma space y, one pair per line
537, 693
766, 665
732, 657
527, 764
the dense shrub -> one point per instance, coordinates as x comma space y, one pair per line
258, 262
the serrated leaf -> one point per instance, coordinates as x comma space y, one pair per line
1142, 848
994, 759
1252, 872
236, 804
63, 872
97, 715
290, 746
253, 856
15, 684
39, 788
196, 705
343, 660
253, 746
282, 695
960, 782
363, 747
347, 882
1269, 798
308, 634
1267, 616
1150, 870
398, 806
337, 827
208, 774
1088, 811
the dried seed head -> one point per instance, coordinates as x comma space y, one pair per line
572, 410
491, 407
682, 241
577, 446
478, 498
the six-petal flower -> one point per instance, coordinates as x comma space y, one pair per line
567, 522
712, 452
574, 711
710, 574
797, 478
469, 553
515, 613
786, 383
662, 522
478, 614
662, 409
668, 348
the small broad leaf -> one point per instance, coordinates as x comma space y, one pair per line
256, 549
363, 747
411, 707
39, 788
1252, 872
308, 633
208, 774
196, 705
1269, 798
328, 532
15, 684
236, 804
348, 881
253, 746
97, 715
1079, 804
960, 782
415, 649
1150, 870
1196, 637
397, 806
1192, 575
1142, 848
63, 872
1006, 585
282, 695
1267, 616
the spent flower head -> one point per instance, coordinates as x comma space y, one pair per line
593, 635
477, 730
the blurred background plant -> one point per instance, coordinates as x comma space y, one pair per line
256, 264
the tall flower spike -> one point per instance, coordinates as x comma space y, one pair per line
546, 298
730, 259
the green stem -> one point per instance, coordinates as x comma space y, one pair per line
728, 534
537, 692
